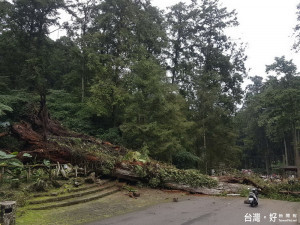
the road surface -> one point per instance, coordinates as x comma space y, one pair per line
206, 210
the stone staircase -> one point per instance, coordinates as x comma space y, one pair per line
74, 196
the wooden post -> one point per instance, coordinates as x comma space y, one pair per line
57, 169
76, 171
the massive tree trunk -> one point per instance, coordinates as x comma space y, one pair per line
286, 161
296, 150
4, 134
267, 157
43, 115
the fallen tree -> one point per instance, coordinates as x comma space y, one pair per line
3, 134
248, 180
296, 193
63, 146
193, 190
60, 145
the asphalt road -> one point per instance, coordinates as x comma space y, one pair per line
211, 211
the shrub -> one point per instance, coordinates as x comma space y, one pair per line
185, 160
112, 135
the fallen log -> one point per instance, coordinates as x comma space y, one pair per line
198, 190
290, 192
126, 174
231, 179
26, 133
54, 155
3, 134
240, 180
255, 184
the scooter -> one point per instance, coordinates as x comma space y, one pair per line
253, 198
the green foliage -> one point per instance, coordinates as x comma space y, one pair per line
105, 95
190, 177
208, 76
10, 160
136, 156
73, 114
270, 116
282, 66
19, 195
139, 170
17, 103
4, 109
133, 30
109, 77
107, 166
196, 179
106, 163
273, 191
153, 113
185, 160
154, 182
130, 189
40, 185
4, 156
112, 135
244, 192
156, 175
46, 162
27, 155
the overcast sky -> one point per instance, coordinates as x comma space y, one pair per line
265, 25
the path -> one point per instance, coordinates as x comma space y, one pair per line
207, 210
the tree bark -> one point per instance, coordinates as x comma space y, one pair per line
267, 158
296, 151
286, 163
3, 134
43, 115
127, 175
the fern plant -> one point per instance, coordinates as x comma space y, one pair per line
4, 109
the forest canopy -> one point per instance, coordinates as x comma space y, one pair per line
167, 84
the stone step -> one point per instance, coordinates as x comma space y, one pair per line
55, 193
59, 192
78, 200
77, 194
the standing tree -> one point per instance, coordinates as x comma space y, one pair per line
208, 68
282, 102
180, 22
275, 106
79, 31
29, 24
253, 139
124, 31
154, 119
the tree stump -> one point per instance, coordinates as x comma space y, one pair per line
8, 212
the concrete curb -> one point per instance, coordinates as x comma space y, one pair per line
298, 216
